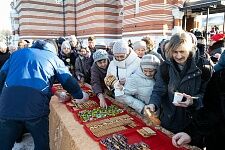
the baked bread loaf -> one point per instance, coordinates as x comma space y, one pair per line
146, 132
110, 80
153, 118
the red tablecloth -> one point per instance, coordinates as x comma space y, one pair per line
160, 141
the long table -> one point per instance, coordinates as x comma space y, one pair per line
66, 133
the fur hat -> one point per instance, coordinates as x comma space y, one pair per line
150, 61
100, 55
139, 44
120, 47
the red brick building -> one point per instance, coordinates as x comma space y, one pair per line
107, 20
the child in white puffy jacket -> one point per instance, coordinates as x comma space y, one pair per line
139, 86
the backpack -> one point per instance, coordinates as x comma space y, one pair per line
203, 63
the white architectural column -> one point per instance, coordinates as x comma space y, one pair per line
178, 15
137, 6
14, 16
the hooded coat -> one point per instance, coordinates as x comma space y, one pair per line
26, 80
123, 69
138, 89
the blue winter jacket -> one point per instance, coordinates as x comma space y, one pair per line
26, 80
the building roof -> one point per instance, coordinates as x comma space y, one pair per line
215, 6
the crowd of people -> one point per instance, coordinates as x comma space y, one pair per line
135, 74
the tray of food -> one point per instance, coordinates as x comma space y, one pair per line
120, 141
118, 124
143, 138
73, 106
96, 113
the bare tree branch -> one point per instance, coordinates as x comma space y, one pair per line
5, 35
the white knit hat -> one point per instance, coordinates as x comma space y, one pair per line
65, 44
100, 54
139, 44
149, 61
120, 47
3, 45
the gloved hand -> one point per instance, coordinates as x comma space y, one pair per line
63, 96
122, 81
119, 89
151, 107
118, 86
84, 99
181, 139
188, 101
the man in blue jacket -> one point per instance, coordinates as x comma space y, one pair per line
25, 87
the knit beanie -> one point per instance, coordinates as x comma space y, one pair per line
149, 61
139, 45
3, 45
100, 54
65, 44
120, 47
61, 40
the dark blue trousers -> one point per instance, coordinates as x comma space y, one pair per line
10, 130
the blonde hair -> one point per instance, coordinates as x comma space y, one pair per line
180, 39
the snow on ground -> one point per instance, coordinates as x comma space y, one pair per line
26, 144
